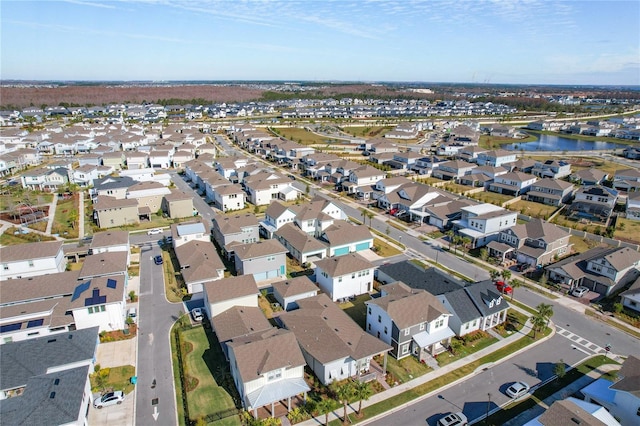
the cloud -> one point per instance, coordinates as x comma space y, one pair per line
90, 3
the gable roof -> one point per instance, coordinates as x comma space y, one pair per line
37, 250
230, 288
234, 224
100, 264
294, 286
239, 321
327, 333
259, 249
432, 279
109, 238
343, 265
341, 232
408, 307
298, 239
630, 376
198, 261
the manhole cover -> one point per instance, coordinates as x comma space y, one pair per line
154, 401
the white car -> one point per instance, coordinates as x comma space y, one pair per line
110, 398
517, 390
196, 313
580, 291
453, 419
154, 231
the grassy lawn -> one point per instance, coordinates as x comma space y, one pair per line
366, 131
18, 196
65, 222
173, 282
395, 224
549, 389
429, 180
39, 226
175, 362
406, 369
515, 321
384, 249
294, 268
491, 197
628, 230
523, 306
530, 208
207, 378
466, 349
302, 136
357, 309
456, 188
580, 245
8, 238
117, 378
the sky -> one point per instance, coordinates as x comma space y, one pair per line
465, 41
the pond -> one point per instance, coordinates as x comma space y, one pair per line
559, 143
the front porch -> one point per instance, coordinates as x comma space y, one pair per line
427, 345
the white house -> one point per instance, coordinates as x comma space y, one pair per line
512, 183
344, 276
288, 292
633, 206
496, 158
32, 259
482, 223
199, 263
228, 292
111, 241
182, 233
229, 197
265, 187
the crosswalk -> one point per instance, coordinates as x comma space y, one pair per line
580, 343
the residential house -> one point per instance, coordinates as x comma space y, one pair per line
265, 187
178, 204
199, 263
453, 170
112, 186
362, 179
242, 229
32, 259
632, 208
136, 160
109, 212
577, 411
554, 169
602, 269
588, 177
333, 345
233, 291
276, 215
412, 322
53, 389
627, 180
345, 276
149, 195
267, 368
114, 159
594, 202
44, 179
300, 245
630, 298
288, 292
111, 241
621, 398
443, 214
479, 306
229, 197
265, 259
343, 238
496, 158
535, 243
432, 280
552, 192
185, 232
470, 153
512, 183
160, 157
482, 223
426, 165
105, 264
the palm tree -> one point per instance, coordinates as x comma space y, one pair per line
494, 274
325, 406
538, 321
449, 235
506, 275
515, 284
546, 311
362, 391
343, 392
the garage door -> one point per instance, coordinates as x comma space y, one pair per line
341, 251
362, 246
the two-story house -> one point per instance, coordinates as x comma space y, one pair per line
345, 276
276, 215
361, 181
482, 223
199, 263
240, 228
512, 183
627, 180
184, 232
453, 170
536, 242
496, 158
301, 246
265, 260
342, 238
413, 322
552, 192
32, 259
632, 207
288, 292
554, 169
263, 188
594, 202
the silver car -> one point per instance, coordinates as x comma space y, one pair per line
517, 390
453, 419
580, 291
110, 398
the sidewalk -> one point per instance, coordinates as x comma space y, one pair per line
397, 390
52, 214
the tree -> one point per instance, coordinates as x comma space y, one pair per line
494, 274
538, 322
484, 254
465, 241
362, 391
449, 235
506, 275
73, 217
543, 279
325, 406
618, 308
343, 392
515, 284
560, 369
546, 311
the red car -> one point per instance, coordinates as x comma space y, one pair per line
392, 212
503, 287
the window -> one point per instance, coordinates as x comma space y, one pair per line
369, 327
422, 326
385, 329
405, 349
369, 310
340, 279
31, 263
5, 267
379, 318
274, 375
406, 332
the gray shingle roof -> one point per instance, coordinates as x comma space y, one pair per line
432, 280
342, 232
294, 286
260, 249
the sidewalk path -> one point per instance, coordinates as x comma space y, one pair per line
432, 375
52, 214
5, 225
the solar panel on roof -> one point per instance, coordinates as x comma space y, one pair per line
35, 323
10, 327
95, 298
111, 283
80, 288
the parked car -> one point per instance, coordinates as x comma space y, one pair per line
133, 314
110, 398
579, 291
517, 390
196, 313
504, 287
158, 260
453, 419
154, 231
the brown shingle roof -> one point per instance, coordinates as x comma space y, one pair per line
299, 239
342, 232
565, 412
231, 288
343, 265
239, 321
109, 238
199, 261
259, 249
408, 307
294, 286
27, 251
327, 333
104, 264
630, 376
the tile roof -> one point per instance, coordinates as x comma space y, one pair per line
327, 333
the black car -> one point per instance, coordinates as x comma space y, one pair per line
158, 260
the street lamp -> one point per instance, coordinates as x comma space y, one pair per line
486, 419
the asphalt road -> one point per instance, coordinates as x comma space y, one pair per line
471, 396
155, 398
206, 212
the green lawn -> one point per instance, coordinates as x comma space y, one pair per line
515, 321
580, 245
628, 230
406, 369
65, 222
15, 197
118, 378
302, 136
491, 197
366, 131
357, 309
466, 349
384, 249
530, 208
8, 238
206, 372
